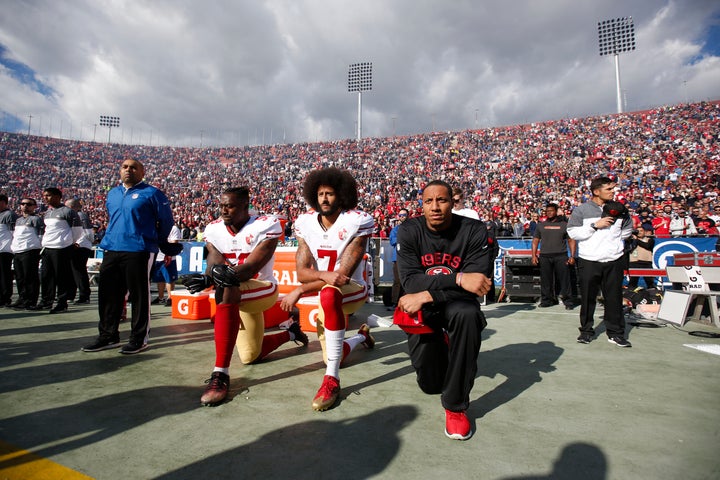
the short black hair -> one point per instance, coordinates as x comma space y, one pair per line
339, 180
53, 191
552, 205
242, 193
3, 198
599, 182
441, 183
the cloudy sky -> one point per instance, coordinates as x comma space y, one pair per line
246, 72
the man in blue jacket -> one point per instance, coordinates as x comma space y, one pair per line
397, 290
139, 220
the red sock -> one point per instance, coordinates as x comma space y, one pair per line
346, 352
331, 303
227, 325
272, 342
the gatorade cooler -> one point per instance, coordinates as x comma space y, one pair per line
190, 306
309, 311
284, 269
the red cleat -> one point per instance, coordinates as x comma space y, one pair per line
327, 395
457, 425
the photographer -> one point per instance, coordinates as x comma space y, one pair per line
641, 255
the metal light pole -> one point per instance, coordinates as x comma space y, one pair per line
109, 122
360, 80
616, 36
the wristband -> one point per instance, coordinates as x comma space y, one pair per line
458, 279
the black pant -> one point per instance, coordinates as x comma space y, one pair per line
27, 276
6, 279
81, 280
449, 368
56, 274
554, 272
120, 273
606, 277
397, 290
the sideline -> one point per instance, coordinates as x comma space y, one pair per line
16, 464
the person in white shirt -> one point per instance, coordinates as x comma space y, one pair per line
63, 231
7, 225
80, 256
165, 272
600, 227
459, 207
241, 255
332, 241
682, 225
26, 245
714, 213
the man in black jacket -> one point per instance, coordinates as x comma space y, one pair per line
443, 262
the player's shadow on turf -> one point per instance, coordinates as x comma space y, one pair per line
63, 429
577, 460
520, 363
368, 444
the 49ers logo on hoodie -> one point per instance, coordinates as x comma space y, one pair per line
438, 271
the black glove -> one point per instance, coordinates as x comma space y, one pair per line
195, 282
223, 276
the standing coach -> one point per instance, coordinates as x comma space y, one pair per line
600, 227
140, 220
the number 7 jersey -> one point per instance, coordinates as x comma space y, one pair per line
328, 246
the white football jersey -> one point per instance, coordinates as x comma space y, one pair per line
236, 247
328, 246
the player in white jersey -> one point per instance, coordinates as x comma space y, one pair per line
332, 241
241, 249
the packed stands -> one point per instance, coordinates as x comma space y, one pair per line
665, 155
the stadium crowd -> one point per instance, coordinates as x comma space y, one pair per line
664, 156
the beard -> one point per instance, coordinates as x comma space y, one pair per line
332, 210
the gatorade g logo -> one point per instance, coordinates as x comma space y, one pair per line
183, 306
313, 316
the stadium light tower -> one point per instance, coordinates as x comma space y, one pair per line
616, 36
109, 122
360, 80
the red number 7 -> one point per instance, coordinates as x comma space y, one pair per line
331, 255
